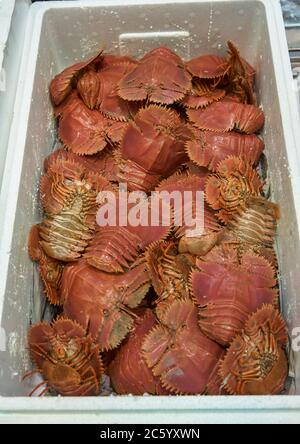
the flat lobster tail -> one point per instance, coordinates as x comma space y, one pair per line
103, 302
224, 116
89, 87
179, 353
128, 371
208, 67
208, 148
256, 224
228, 288
136, 177
62, 84
113, 249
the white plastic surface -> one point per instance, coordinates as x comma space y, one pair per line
59, 34
6, 11
13, 18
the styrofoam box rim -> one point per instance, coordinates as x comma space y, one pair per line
112, 406
5, 21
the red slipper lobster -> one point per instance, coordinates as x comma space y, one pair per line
66, 357
102, 302
128, 371
160, 77
179, 353
68, 194
228, 288
256, 362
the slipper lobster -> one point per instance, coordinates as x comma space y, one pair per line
68, 193
256, 361
67, 358
153, 147
157, 242
176, 351
208, 149
224, 116
114, 248
128, 371
103, 303
193, 239
87, 131
169, 273
231, 186
160, 77
50, 269
228, 288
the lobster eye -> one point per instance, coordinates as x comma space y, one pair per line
60, 351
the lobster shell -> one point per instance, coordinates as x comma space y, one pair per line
62, 84
179, 353
103, 302
159, 78
233, 184
228, 288
256, 363
85, 131
208, 149
208, 67
50, 269
224, 116
128, 371
68, 194
66, 357
169, 273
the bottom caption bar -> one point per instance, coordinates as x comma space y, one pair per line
131, 433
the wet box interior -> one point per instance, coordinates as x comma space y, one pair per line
59, 35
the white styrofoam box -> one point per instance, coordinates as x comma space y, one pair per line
6, 11
60, 33
13, 17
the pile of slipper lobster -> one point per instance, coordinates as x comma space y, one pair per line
158, 310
